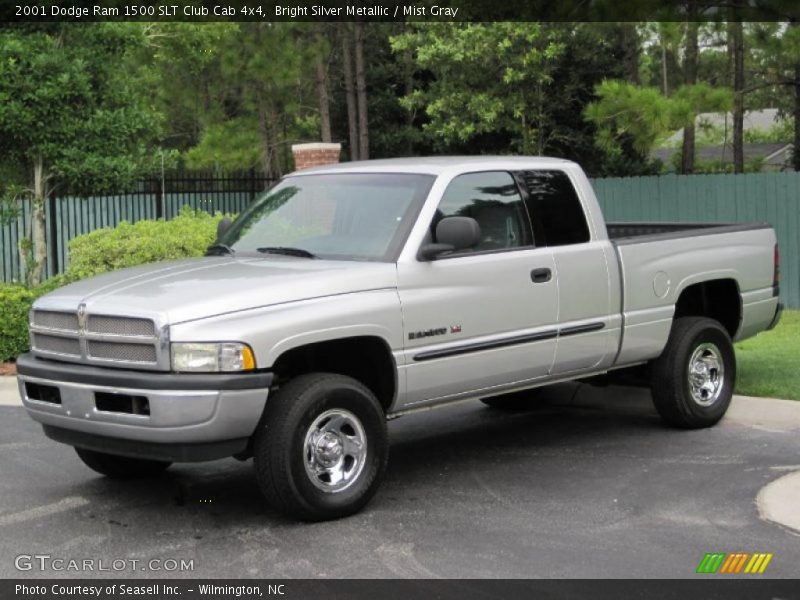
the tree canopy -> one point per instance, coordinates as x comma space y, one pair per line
71, 116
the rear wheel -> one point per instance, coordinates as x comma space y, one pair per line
693, 379
321, 450
120, 467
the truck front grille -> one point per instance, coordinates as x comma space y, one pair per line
140, 353
56, 344
56, 320
108, 340
120, 326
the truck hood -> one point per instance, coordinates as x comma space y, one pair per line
185, 290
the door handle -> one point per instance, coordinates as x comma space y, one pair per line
542, 275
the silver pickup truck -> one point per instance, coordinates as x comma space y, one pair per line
351, 294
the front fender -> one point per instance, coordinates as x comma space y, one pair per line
273, 330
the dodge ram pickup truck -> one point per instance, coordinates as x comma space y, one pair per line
351, 294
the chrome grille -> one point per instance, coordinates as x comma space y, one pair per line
120, 326
139, 353
55, 320
56, 344
108, 340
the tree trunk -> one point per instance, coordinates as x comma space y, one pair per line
361, 95
274, 126
664, 79
350, 90
36, 269
408, 89
690, 77
263, 131
796, 149
631, 50
322, 90
738, 98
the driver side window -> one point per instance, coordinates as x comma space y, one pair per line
493, 200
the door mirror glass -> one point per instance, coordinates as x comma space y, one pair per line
452, 234
461, 233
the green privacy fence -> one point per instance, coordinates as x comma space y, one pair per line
154, 199
769, 197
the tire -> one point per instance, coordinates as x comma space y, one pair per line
679, 398
308, 461
120, 467
515, 401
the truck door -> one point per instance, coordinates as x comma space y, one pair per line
485, 317
587, 328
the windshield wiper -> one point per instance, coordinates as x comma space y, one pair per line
286, 251
219, 250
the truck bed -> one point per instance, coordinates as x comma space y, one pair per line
658, 260
646, 231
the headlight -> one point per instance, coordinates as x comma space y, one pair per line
211, 358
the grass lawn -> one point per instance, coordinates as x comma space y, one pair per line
769, 364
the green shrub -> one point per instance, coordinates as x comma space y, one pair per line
188, 234
128, 245
15, 302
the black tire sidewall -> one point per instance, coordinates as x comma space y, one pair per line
343, 393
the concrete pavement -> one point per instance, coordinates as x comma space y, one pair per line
9, 393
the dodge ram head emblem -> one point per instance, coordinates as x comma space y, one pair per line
82, 316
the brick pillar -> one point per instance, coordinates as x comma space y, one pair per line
315, 155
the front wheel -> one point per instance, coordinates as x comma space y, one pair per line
693, 379
321, 450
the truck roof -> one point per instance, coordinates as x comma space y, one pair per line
435, 165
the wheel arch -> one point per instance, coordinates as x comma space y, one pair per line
719, 299
366, 358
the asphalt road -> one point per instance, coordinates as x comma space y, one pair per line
597, 490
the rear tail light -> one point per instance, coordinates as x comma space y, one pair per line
776, 274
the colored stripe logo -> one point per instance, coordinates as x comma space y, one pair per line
733, 563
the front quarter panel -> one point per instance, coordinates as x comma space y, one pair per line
273, 330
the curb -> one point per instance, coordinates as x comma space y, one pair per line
9, 392
777, 501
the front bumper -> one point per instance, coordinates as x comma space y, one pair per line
177, 417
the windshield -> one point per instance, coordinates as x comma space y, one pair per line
347, 216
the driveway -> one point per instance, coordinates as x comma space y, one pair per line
589, 484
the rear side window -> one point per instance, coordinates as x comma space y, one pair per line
555, 209
493, 200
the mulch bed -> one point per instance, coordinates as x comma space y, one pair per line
8, 368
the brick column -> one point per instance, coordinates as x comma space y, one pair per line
315, 155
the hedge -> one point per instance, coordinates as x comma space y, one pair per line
128, 245
15, 302
102, 250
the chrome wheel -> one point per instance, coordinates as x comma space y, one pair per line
706, 374
335, 450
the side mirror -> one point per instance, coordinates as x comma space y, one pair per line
452, 234
223, 226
